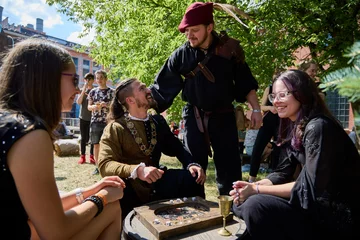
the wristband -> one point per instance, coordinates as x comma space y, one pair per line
98, 202
79, 195
102, 197
193, 164
257, 188
256, 110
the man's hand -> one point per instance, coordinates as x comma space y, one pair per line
149, 174
256, 117
201, 176
86, 84
256, 120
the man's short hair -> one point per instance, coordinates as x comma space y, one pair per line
89, 76
100, 71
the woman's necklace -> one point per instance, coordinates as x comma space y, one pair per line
130, 125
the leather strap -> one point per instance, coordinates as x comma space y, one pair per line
203, 127
203, 124
202, 67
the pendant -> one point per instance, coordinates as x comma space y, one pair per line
139, 141
130, 125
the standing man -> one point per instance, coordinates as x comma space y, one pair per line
85, 117
211, 72
132, 145
99, 102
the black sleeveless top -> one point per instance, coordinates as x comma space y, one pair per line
13, 220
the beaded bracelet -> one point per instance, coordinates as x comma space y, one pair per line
193, 164
98, 202
256, 110
103, 198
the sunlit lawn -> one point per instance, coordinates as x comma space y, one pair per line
70, 175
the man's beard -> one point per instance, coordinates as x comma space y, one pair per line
200, 41
151, 103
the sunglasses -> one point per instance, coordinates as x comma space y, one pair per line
75, 78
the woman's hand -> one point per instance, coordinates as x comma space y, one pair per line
112, 194
241, 191
110, 181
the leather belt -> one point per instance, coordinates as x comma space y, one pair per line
204, 123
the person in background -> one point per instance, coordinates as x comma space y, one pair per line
132, 145
312, 68
38, 81
353, 136
62, 132
318, 204
249, 142
99, 102
181, 131
211, 76
174, 128
266, 133
85, 117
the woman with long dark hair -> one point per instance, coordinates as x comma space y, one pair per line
38, 81
320, 203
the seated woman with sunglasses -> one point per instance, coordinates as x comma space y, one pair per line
321, 202
37, 83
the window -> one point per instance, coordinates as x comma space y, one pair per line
338, 106
76, 61
85, 71
86, 64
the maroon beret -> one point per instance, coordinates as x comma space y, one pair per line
197, 13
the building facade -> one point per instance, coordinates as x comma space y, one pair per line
10, 34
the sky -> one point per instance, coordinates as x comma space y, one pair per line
23, 12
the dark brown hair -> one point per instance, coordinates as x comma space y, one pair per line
30, 80
100, 71
304, 65
89, 76
305, 91
118, 105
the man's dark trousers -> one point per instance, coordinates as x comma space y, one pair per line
224, 142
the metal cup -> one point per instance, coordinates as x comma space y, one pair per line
225, 203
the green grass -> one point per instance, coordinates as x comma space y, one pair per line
70, 175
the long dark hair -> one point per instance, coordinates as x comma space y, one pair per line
118, 105
304, 90
30, 80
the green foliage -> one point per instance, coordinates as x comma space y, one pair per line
346, 80
135, 37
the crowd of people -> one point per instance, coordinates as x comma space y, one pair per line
304, 197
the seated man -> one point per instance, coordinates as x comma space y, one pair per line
62, 132
131, 147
